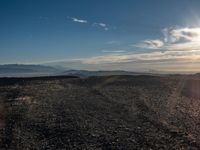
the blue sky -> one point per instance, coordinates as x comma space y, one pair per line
102, 35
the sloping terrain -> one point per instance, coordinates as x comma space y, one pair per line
112, 112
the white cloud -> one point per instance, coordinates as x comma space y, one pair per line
102, 25
179, 61
79, 20
171, 48
144, 57
150, 44
182, 39
181, 35
178, 45
177, 49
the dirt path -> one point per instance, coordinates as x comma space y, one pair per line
172, 100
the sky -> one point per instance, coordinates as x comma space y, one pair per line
133, 35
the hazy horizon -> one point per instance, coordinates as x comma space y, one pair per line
61, 68
128, 35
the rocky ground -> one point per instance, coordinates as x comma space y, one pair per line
112, 112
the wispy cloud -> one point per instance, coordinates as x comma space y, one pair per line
181, 35
176, 61
79, 20
102, 25
150, 44
166, 50
183, 39
144, 57
178, 48
180, 45
113, 51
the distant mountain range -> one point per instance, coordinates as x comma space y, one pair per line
21, 70
26, 70
85, 73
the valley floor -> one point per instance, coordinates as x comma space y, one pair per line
111, 112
